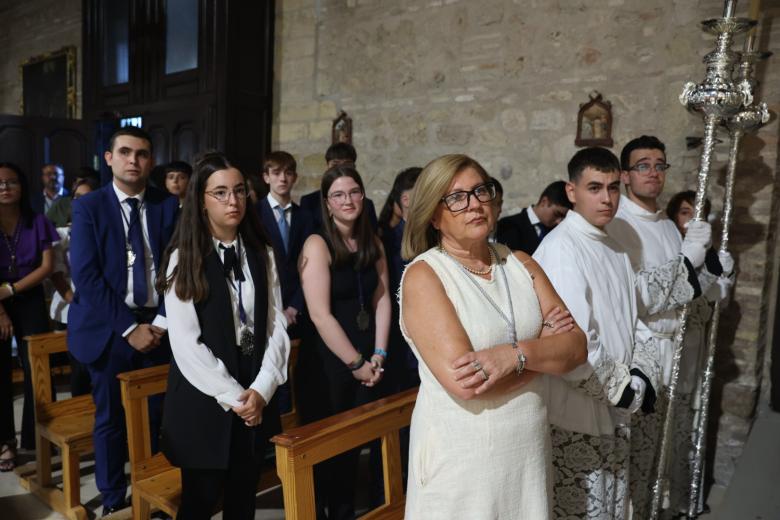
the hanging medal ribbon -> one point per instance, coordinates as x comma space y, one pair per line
246, 341
12, 245
362, 318
130, 224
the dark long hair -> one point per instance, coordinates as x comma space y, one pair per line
403, 181
193, 239
25, 208
673, 207
367, 249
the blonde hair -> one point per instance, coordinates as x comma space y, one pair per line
431, 186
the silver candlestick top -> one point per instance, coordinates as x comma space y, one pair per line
717, 94
749, 119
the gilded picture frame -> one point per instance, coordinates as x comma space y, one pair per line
49, 84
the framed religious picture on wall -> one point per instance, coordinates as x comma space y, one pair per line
49, 84
342, 129
594, 122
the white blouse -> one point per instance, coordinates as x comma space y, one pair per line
200, 366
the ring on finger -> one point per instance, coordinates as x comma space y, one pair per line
547, 324
485, 375
476, 365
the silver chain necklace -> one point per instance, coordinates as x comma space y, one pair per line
509, 320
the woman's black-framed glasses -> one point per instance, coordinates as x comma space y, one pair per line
460, 200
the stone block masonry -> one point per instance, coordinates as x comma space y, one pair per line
502, 81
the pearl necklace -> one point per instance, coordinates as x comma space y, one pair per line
484, 272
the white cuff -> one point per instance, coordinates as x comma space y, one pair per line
265, 385
160, 321
228, 400
130, 329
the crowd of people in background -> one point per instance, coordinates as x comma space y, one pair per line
541, 342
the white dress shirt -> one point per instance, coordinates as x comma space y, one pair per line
534, 219
151, 300
195, 359
275, 204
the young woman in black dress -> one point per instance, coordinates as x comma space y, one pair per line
345, 284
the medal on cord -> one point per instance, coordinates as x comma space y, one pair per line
128, 247
363, 319
246, 336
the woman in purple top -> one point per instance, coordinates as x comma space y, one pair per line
26, 259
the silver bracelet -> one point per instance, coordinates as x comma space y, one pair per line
520, 360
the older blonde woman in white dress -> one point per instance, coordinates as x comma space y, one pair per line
472, 313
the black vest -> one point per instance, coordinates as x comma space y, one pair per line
196, 431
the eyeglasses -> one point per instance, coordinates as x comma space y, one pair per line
223, 195
9, 185
340, 197
460, 200
644, 168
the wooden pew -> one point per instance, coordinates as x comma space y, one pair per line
156, 484
68, 424
299, 449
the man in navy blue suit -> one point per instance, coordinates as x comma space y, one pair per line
115, 324
287, 226
336, 154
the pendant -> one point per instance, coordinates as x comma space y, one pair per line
12, 266
363, 320
247, 341
130, 257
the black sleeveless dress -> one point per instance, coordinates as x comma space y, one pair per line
325, 386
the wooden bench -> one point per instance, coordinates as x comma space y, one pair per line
156, 484
67, 424
299, 449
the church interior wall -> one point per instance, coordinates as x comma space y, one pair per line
502, 81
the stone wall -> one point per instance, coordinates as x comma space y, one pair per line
502, 81
32, 28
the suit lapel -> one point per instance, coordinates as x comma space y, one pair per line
271, 227
154, 225
295, 224
116, 228
218, 287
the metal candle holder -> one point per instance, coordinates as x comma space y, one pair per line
717, 97
750, 119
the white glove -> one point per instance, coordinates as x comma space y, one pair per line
698, 238
726, 261
638, 386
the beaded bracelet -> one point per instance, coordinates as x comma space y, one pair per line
520, 360
380, 352
357, 364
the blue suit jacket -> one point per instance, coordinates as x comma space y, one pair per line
99, 266
301, 226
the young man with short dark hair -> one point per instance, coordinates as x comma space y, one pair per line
115, 321
525, 230
590, 407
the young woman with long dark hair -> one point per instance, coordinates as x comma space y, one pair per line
229, 344
26, 259
345, 284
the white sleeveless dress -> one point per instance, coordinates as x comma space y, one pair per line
488, 458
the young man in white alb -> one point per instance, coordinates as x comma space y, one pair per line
590, 407
661, 259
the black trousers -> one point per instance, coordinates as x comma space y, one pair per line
27, 311
201, 489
